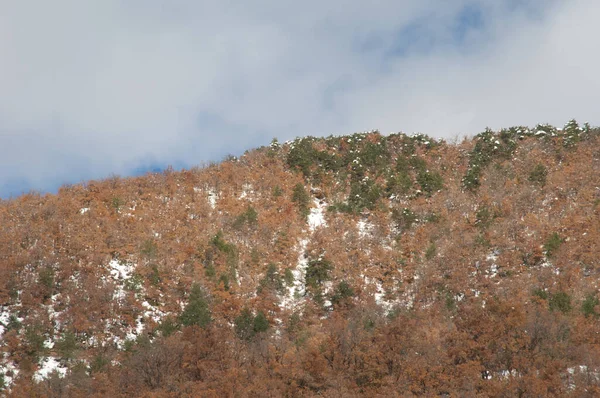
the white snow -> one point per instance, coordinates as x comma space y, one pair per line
316, 218
10, 373
247, 190
364, 228
47, 367
493, 271
296, 291
212, 198
4, 317
152, 312
379, 296
120, 270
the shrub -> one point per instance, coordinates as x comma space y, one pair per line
317, 272
342, 291
430, 252
210, 271
154, 275
46, 281
134, 283
288, 277
260, 323
149, 249
243, 325
246, 325
552, 244
418, 163
302, 155
116, 203
271, 281
538, 175
484, 217
224, 279
222, 245
430, 182
450, 302
168, 326
399, 183
541, 293
471, 180
363, 194
34, 341
560, 301
572, 133
488, 147
374, 155
13, 323
404, 218
67, 345
248, 217
588, 307
98, 363
277, 191
301, 199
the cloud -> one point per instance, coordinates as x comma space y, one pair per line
94, 88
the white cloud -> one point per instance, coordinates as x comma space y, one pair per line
92, 88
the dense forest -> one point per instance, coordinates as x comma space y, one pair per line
358, 265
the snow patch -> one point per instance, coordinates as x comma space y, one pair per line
364, 228
247, 189
316, 218
120, 270
47, 367
4, 317
212, 198
295, 292
10, 373
379, 296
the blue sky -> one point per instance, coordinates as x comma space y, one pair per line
91, 89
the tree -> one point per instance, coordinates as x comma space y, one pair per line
301, 199
196, 312
247, 326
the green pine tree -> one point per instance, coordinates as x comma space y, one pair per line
196, 312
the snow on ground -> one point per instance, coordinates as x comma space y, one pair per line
493, 271
212, 198
379, 295
294, 293
152, 312
49, 365
4, 317
120, 270
132, 334
247, 190
10, 373
364, 228
316, 218
120, 273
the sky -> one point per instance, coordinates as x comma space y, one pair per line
90, 89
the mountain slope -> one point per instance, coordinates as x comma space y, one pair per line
339, 266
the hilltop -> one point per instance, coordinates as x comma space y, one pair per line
367, 264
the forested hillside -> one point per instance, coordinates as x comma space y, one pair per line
359, 265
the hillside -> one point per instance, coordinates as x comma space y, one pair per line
360, 265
